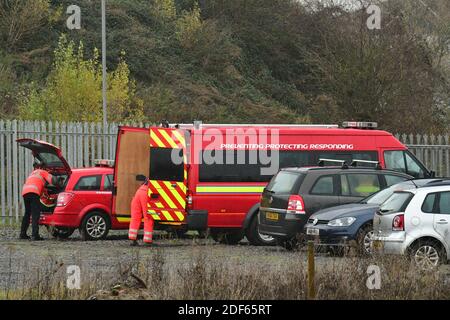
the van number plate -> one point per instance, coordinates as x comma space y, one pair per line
272, 216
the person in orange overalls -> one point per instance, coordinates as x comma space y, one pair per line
32, 191
139, 211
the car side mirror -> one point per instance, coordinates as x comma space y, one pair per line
432, 174
141, 178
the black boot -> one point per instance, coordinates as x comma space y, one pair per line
134, 243
24, 237
36, 238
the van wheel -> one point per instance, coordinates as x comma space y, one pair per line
227, 237
364, 239
60, 232
427, 254
255, 237
95, 226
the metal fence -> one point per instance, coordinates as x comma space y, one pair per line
81, 143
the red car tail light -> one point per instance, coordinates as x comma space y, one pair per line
296, 205
64, 198
398, 224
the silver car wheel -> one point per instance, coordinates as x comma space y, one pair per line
367, 242
426, 257
96, 226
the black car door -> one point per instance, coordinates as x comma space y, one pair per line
322, 192
355, 186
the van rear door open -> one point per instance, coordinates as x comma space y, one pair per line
132, 159
168, 175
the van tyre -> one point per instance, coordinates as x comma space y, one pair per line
256, 238
427, 254
60, 232
95, 226
364, 239
227, 237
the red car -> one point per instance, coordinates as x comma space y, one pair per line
81, 198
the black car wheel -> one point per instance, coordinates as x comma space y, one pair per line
60, 232
255, 237
95, 226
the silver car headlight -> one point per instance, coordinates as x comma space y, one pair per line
342, 222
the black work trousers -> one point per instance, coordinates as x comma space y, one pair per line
33, 210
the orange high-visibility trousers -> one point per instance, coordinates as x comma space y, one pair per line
139, 211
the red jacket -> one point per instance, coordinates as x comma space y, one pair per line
36, 182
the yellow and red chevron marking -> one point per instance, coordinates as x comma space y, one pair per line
167, 138
171, 203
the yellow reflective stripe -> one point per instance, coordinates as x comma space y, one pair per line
167, 215
155, 138
168, 139
180, 138
180, 215
175, 193
156, 217
163, 194
235, 189
182, 186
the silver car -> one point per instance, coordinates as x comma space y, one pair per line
416, 222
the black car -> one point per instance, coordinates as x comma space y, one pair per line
294, 194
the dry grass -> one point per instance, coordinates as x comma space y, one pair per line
202, 277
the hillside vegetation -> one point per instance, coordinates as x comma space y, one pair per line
229, 61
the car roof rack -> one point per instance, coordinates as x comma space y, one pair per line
343, 163
357, 161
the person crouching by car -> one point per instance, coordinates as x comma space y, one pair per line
32, 191
139, 211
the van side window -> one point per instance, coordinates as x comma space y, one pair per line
323, 186
395, 160
413, 167
163, 168
404, 162
89, 183
363, 185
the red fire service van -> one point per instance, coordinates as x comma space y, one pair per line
212, 176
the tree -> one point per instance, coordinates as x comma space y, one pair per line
73, 90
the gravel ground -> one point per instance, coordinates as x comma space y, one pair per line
21, 260
104, 258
